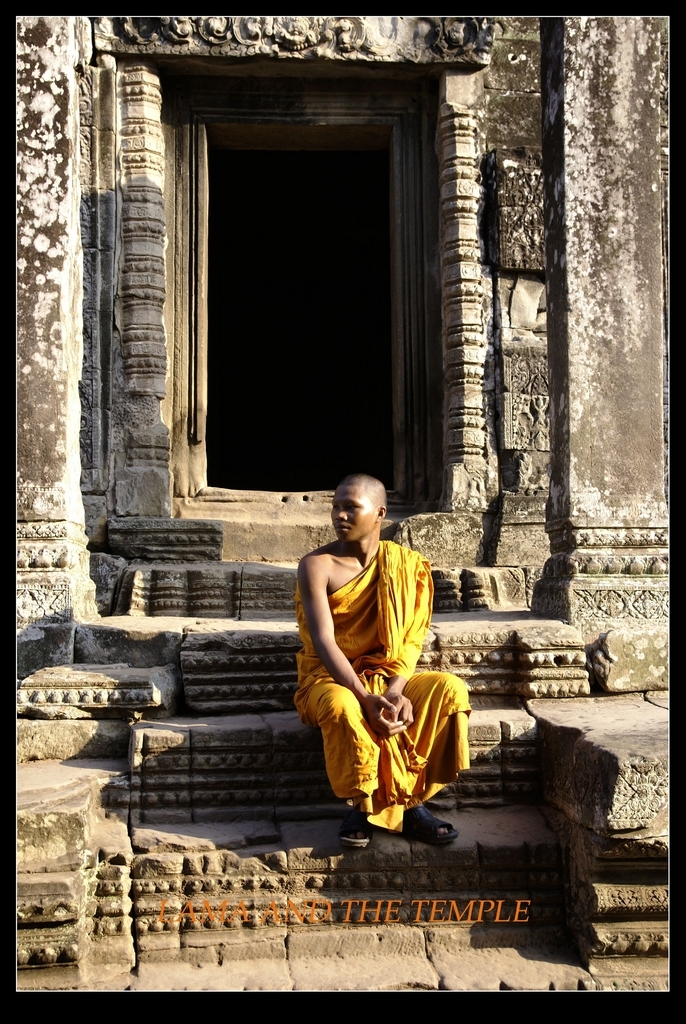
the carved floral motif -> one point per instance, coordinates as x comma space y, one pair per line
36, 602
564, 537
618, 603
606, 564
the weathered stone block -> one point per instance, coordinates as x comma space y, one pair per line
240, 670
552, 660
91, 691
628, 938
447, 590
461, 41
139, 642
494, 588
445, 538
143, 491
203, 838
258, 540
604, 761
518, 123
595, 603
231, 976
530, 969
351, 943
46, 644
165, 540
523, 401
62, 740
105, 571
480, 649
526, 295
52, 945
45, 898
515, 67
47, 833
52, 597
519, 542
631, 660
267, 592
197, 589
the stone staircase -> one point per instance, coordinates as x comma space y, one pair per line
210, 843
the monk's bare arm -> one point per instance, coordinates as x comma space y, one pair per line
313, 579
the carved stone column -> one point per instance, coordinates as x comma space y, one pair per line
53, 581
142, 471
606, 513
470, 478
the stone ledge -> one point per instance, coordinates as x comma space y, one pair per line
88, 691
139, 642
167, 540
529, 969
39, 740
604, 761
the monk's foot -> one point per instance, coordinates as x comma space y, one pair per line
354, 830
419, 823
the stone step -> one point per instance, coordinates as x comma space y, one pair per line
226, 590
502, 872
252, 668
271, 766
250, 590
232, 665
73, 889
382, 958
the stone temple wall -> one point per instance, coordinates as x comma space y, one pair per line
160, 755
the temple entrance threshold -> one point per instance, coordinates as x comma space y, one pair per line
299, 319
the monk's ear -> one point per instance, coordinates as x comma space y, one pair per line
381, 514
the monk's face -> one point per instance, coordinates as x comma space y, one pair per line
354, 514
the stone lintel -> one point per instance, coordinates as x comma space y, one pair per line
404, 40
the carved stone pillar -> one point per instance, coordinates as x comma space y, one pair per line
53, 581
601, 159
142, 471
97, 111
470, 479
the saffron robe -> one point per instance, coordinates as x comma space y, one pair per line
380, 620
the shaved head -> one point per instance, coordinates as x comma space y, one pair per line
372, 487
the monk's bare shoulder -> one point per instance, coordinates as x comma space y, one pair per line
315, 568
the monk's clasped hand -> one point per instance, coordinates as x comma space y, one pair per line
402, 705
383, 716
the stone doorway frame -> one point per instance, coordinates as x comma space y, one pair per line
406, 112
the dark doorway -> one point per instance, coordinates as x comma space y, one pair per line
299, 319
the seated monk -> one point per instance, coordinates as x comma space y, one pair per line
393, 737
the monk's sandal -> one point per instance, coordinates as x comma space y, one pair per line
419, 823
354, 821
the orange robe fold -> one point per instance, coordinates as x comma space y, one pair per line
380, 620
